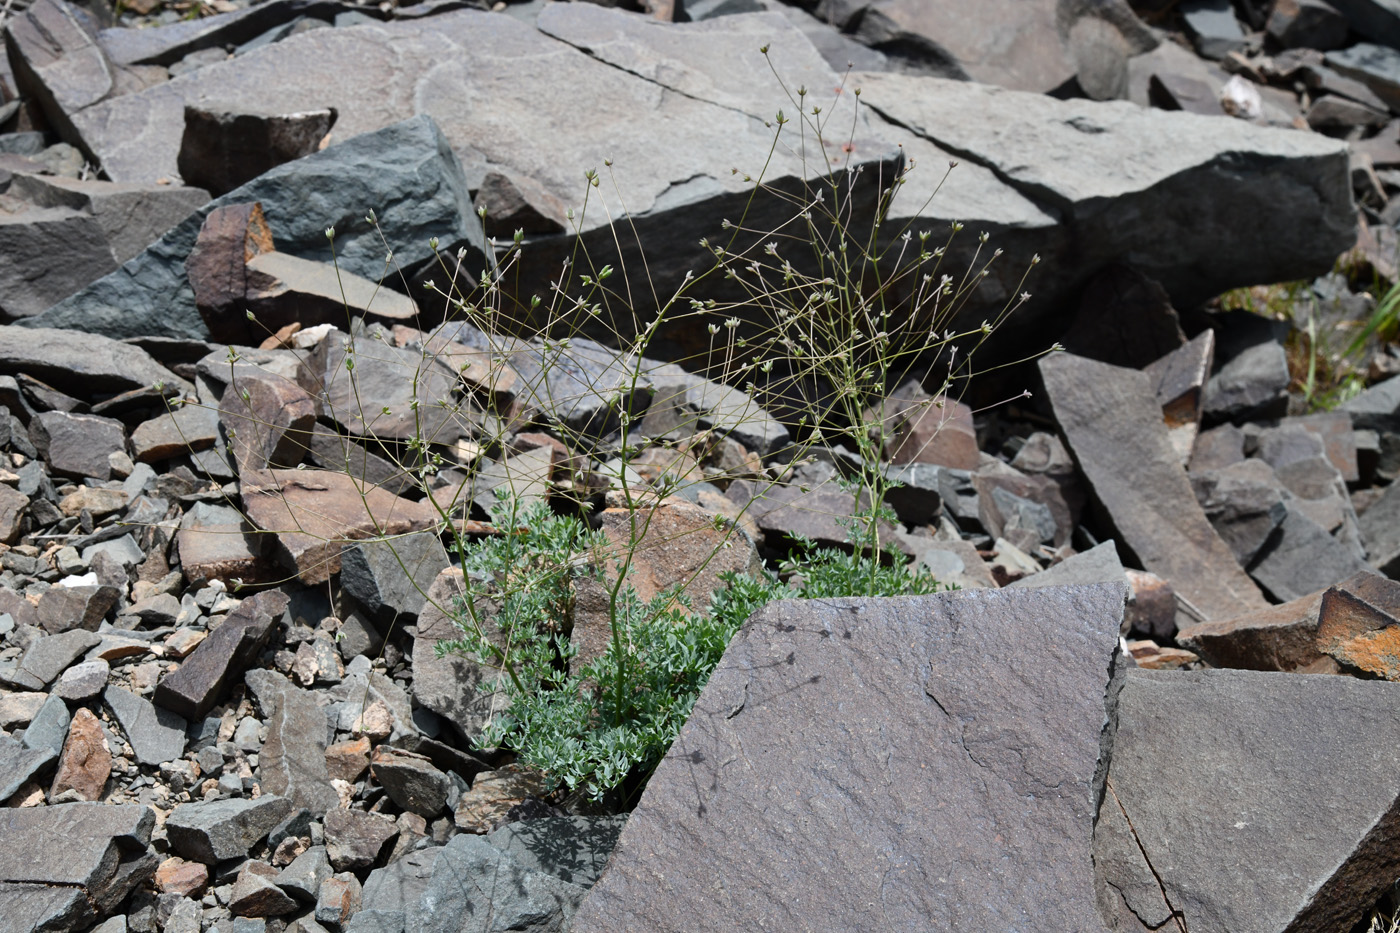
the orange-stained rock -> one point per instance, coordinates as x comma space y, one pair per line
177, 876
86, 762
348, 760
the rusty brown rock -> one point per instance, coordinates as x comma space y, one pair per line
933, 430
314, 512
187, 429
177, 876
1359, 624
1152, 610
86, 762
346, 761
267, 418
216, 267
492, 795
678, 544
1279, 638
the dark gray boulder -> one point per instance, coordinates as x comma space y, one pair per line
214, 830
792, 798
404, 172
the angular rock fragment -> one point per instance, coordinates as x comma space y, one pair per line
1252, 385
67, 887
1244, 503
932, 671
1303, 558
256, 895
222, 150
81, 363
517, 202
86, 762
219, 660
303, 877
405, 170
1097, 565
411, 781
50, 253
1237, 855
450, 685
314, 513
292, 762
49, 656
283, 289
156, 735
493, 794
1071, 154
932, 430
212, 831
229, 237
1358, 624
63, 608
77, 445
131, 217
1279, 638
355, 839
187, 429
391, 578
267, 419
1179, 379
1113, 424
19, 763
1309, 24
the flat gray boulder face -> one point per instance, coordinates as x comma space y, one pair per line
1255, 802
1112, 422
1201, 205
403, 171
886, 764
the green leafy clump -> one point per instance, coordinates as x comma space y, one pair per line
612, 719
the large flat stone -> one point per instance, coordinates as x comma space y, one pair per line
405, 172
1175, 194
883, 764
156, 735
80, 364
63, 867
1251, 801
292, 762
1114, 426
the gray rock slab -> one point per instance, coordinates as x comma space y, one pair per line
49, 656
156, 735
80, 363
572, 848
1212, 26
405, 172
1099, 564
390, 578
393, 896
449, 685
1252, 385
1244, 503
1273, 823
131, 217
50, 253
1071, 157
63, 867
214, 830
793, 798
218, 661
1114, 426
355, 838
49, 727
303, 877
292, 761
18, 763
1377, 66
470, 874
1303, 558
